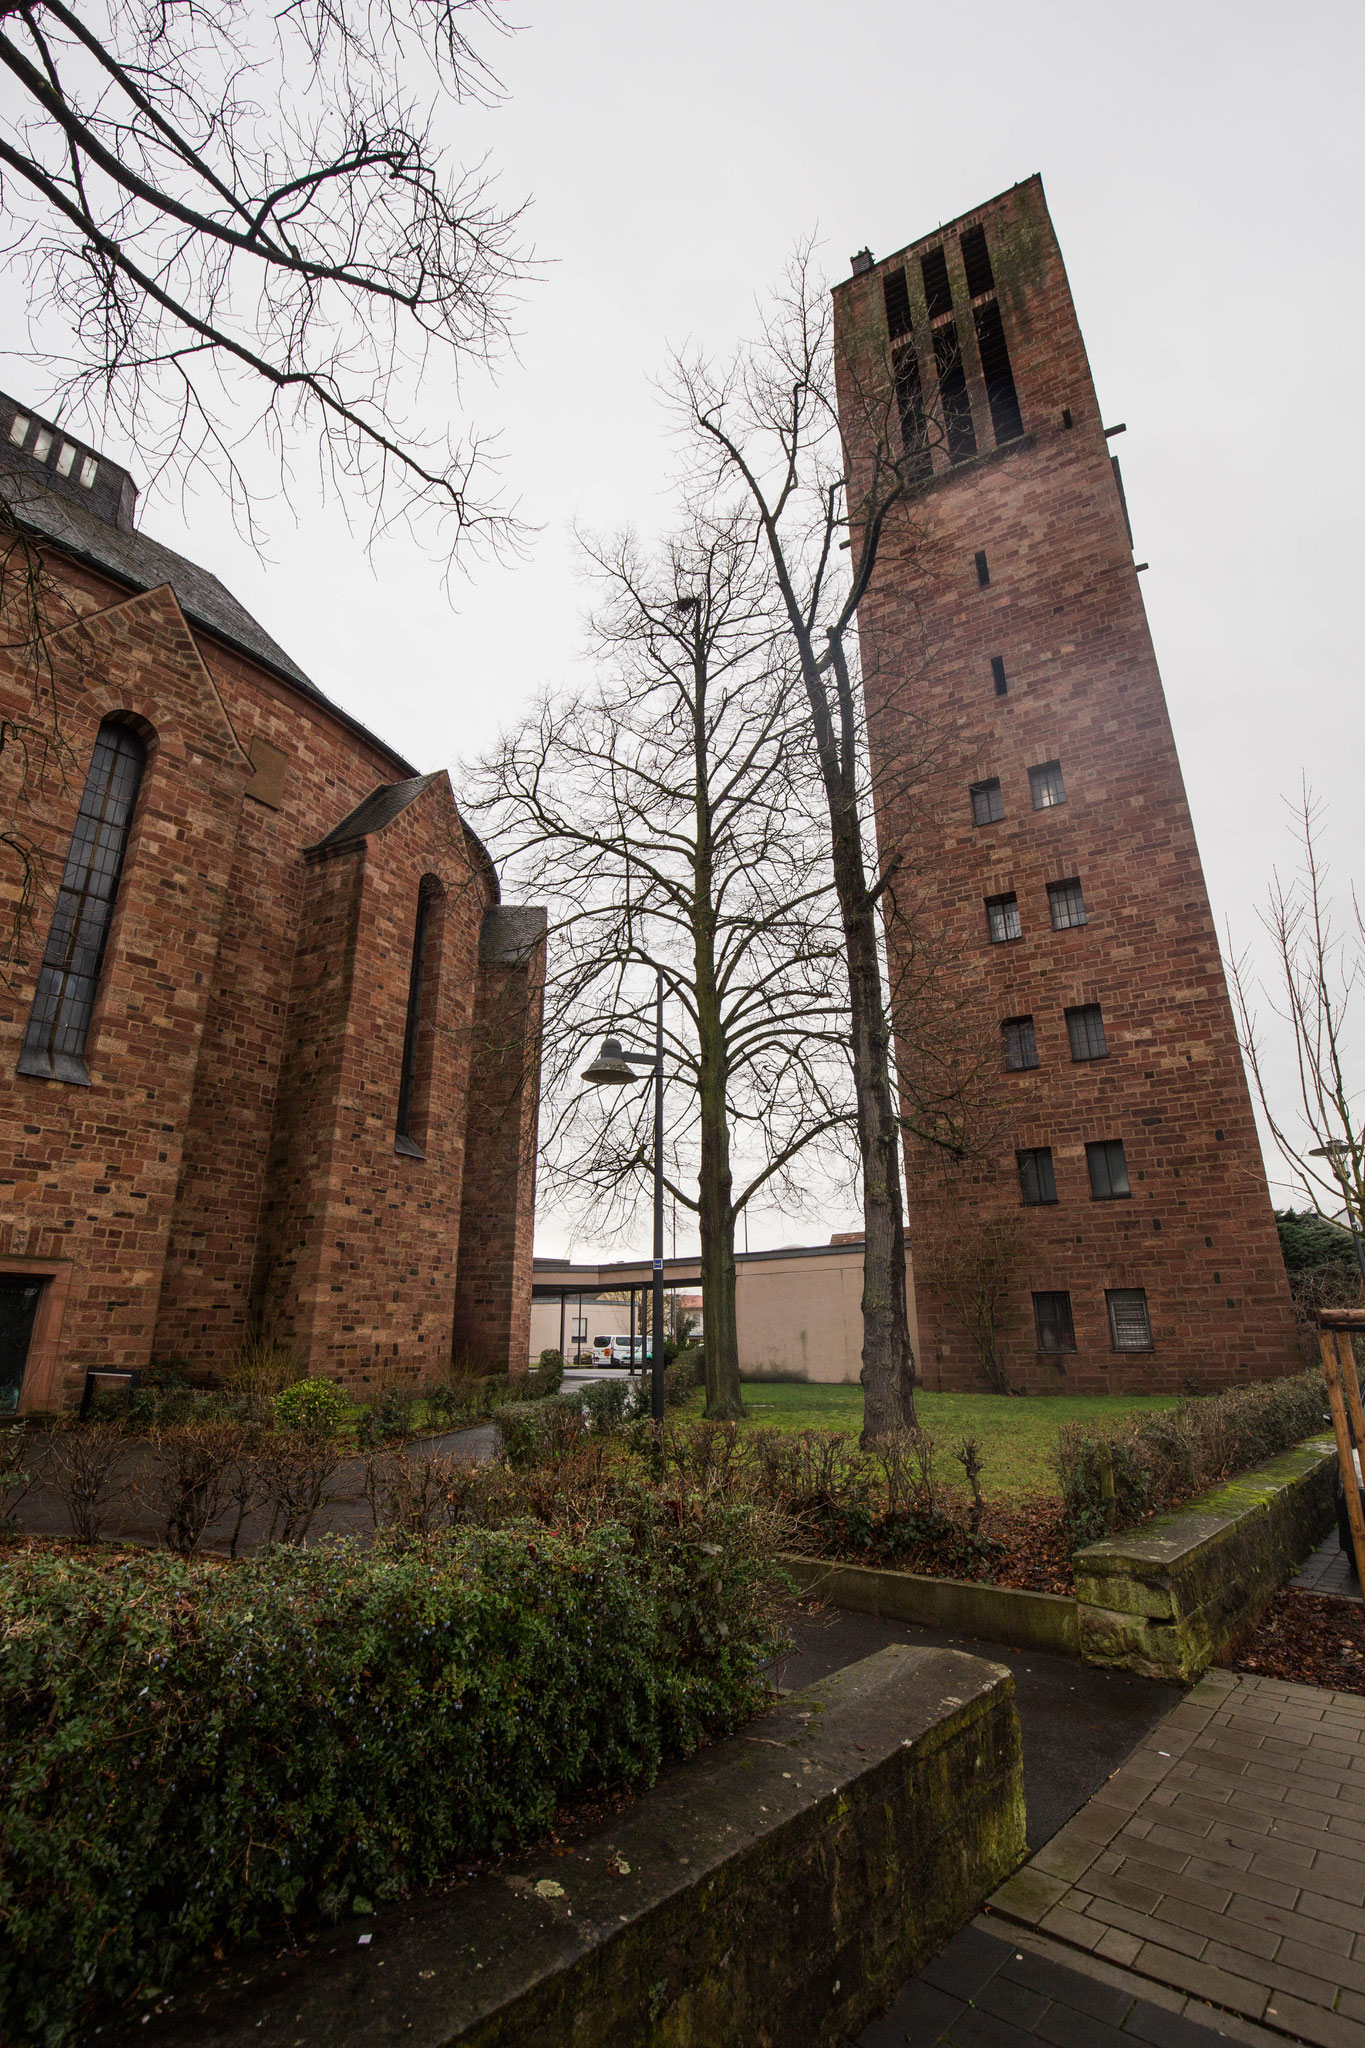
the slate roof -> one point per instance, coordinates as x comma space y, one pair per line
379, 809
135, 559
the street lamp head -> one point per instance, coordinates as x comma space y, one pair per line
611, 1068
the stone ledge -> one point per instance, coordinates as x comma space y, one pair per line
778, 1887
1166, 1598
996, 1614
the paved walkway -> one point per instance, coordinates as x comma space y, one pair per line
1223, 1864
1328, 1570
988, 1992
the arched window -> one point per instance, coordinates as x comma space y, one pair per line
414, 1079
54, 1044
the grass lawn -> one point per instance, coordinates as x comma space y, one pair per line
1016, 1434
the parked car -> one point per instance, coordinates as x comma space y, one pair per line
627, 1351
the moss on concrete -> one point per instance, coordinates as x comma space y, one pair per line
1167, 1598
776, 1888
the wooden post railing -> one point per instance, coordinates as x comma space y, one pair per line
1335, 1329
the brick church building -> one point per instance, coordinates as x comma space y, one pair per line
270, 1042
1114, 1228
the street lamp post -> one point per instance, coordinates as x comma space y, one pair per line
1334, 1150
612, 1069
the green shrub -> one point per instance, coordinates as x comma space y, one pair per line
529, 1431
311, 1404
551, 1360
1159, 1459
199, 1753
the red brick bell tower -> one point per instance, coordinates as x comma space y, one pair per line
1120, 1200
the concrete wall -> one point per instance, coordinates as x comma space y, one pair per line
802, 1314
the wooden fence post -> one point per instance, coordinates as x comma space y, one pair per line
1343, 1395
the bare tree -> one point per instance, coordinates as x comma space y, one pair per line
767, 442
971, 1262
1319, 979
238, 210
670, 816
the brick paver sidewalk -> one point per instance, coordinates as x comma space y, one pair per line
1225, 1860
1328, 1570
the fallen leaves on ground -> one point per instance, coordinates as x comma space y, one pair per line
1309, 1639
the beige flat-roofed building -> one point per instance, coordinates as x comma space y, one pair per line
798, 1308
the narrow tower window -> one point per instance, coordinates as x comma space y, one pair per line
1052, 1320
1037, 1182
983, 568
952, 390
910, 406
1021, 1045
988, 805
1047, 785
976, 261
938, 292
897, 296
59, 1023
412, 1072
1001, 395
1085, 1029
998, 673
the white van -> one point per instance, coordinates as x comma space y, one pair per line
625, 1350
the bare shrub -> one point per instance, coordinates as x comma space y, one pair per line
21, 1463
293, 1469
968, 1455
84, 1469
190, 1481
905, 1459
259, 1369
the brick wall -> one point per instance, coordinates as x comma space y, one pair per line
1063, 611
493, 1300
233, 1157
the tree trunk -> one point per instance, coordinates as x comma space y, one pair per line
888, 1372
716, 1218
715, 1187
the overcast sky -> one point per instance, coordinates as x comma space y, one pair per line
1202, 166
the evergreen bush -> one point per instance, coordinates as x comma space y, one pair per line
311, 1404
1159, 1459
195, 1753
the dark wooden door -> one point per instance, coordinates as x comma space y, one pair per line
18, 1306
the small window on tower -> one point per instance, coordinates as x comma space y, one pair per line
1021, 1046
998, 673
1085, 1029
1047, 786
1108, 1171
983, 568
988, 805
1066, 903
1002, 919
1037, 1182
1129, 1324
18, 432
1052, 1320
897, 296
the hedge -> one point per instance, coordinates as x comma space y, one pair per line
548, 1428
1157, 1460
198, 1753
